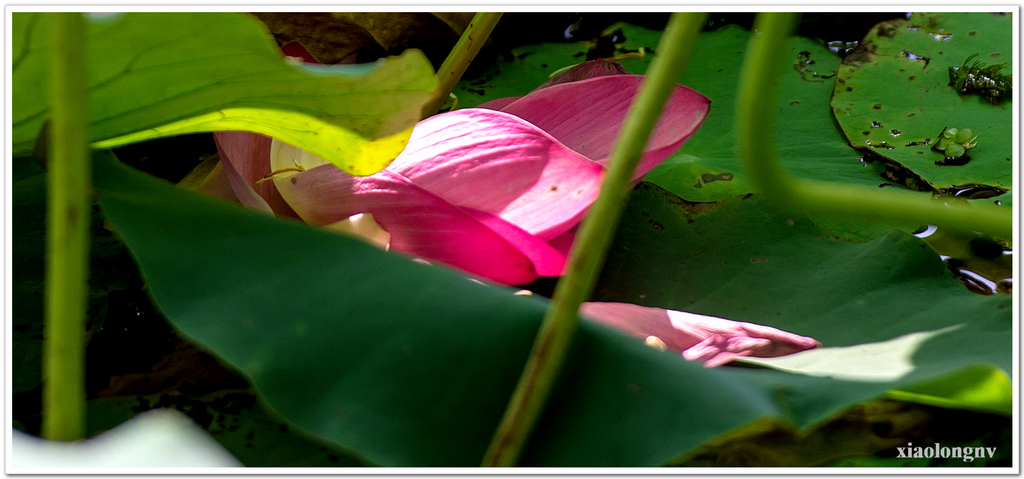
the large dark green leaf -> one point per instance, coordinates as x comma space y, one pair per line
162, 74
893, 96
886, 310
407, 364
403, 363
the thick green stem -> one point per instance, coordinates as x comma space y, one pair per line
588, 252
755, 126
755, 103
461, 56
67, 235
901, 207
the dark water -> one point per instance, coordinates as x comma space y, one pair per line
517, 29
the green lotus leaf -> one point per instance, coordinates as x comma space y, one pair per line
809, 146
356, 116
527, 67
408, 364
888, 310
516, 74
892, 96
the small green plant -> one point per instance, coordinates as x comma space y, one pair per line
983, 79
954, 143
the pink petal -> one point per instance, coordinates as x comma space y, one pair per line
641, 322
709, 339
586, 116
704, 350
497, 163
723, 358
246, 160
563, 242
244, 191
763, 341
547, 261
586, 70
499, 103
423, 224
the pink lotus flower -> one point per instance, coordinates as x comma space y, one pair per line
493, 192
498, 194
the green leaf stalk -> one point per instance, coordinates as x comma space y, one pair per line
588, 253
67, 235
461, 56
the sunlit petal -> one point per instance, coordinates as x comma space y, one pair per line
587, 115
421, 223
703, 338
363, 226
495, 162
286, 160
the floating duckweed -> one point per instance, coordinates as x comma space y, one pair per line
985, 80
954, 143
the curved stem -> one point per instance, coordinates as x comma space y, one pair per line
588, 252
901, 207
67, 234
755, 125
462, 55
755, 103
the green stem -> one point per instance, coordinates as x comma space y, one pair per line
755, 126
588, 253
67, 235
901, 207
462, 55
755, 103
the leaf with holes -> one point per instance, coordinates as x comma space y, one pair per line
707, 169
892, 96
